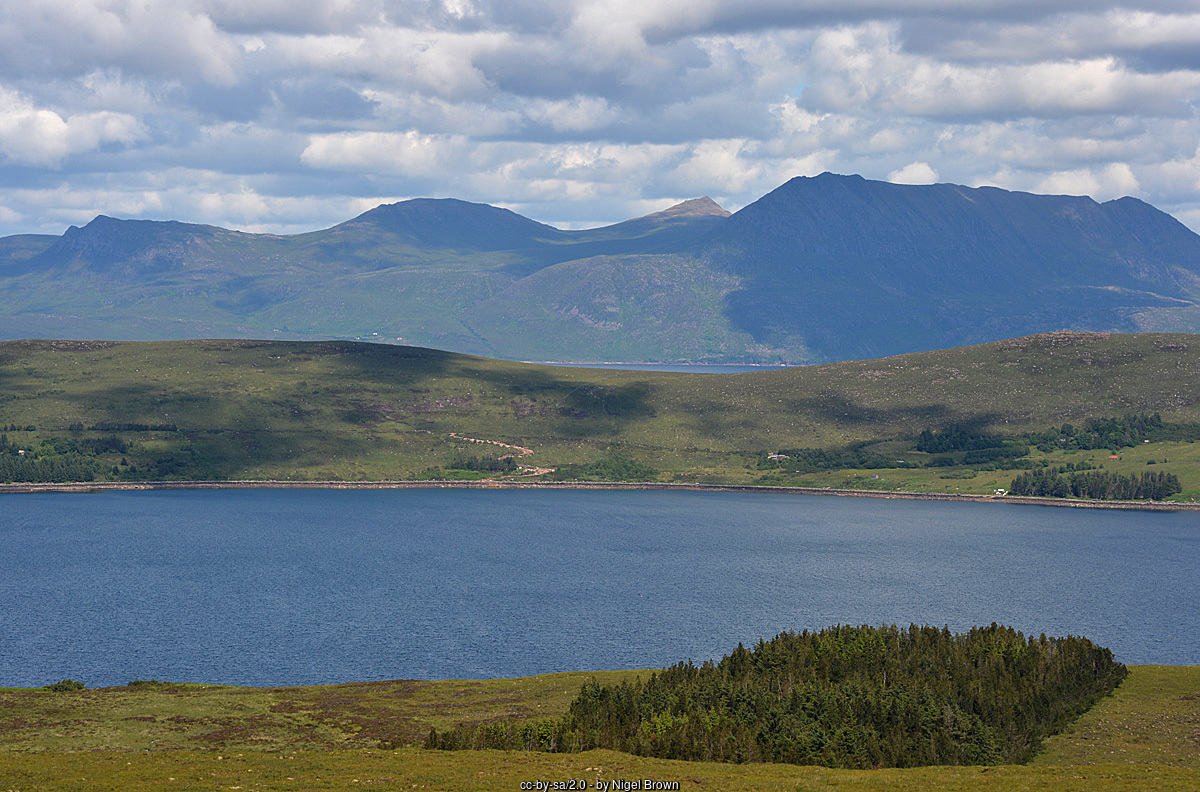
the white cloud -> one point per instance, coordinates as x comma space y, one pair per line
1082, 35
1189, 217
390, 152
725, 166
41, 137
154, 37
221, 201
914, 173
1114, 181
795, 119
577, 114
307, 16
439, 62
460, 9
809, 165
280, 114
434, 114
867, 66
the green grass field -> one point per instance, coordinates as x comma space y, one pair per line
1146, 736
346, 411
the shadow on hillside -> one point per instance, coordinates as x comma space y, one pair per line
211, 438
837, 408
580, 409
831, 411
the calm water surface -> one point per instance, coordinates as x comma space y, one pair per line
265, 587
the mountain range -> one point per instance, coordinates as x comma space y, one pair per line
820, 269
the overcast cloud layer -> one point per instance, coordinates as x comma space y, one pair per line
291, 115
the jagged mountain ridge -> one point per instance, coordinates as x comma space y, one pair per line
822, 268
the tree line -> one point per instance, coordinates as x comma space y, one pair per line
45, 470
956, 437
1115, 432
1112, 432
616, 466
113, 426
811, 460
957, 444
855, 697
1095, 484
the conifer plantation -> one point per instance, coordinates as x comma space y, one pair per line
1095, 484
851, 697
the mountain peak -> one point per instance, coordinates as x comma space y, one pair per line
696, 207
450, 223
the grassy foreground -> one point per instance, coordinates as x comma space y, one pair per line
1145, 736
346, 411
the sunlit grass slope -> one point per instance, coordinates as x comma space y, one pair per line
339, 410
193, 737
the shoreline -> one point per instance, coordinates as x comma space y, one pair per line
123, 486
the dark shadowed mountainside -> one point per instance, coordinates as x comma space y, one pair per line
860, 268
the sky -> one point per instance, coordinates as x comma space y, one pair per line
284, 116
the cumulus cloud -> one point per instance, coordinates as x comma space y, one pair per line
74, 37
197, 196
1113, 181
867, 66
1154, 37
439, 62
286, 114
392, 152
724, 166
914, 173
578, 114
36, 136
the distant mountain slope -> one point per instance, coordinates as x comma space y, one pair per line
823, 268
622, 308
695, 217
454, 225
861, 268
16, 249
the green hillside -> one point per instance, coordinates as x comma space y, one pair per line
337, 737
353, 411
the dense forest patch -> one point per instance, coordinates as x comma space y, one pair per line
1096, 485
853, 697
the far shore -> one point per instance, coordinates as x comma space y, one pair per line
111, 486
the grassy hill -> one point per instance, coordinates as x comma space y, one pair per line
352, 411
204, 737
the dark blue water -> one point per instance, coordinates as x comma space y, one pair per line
266, 587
